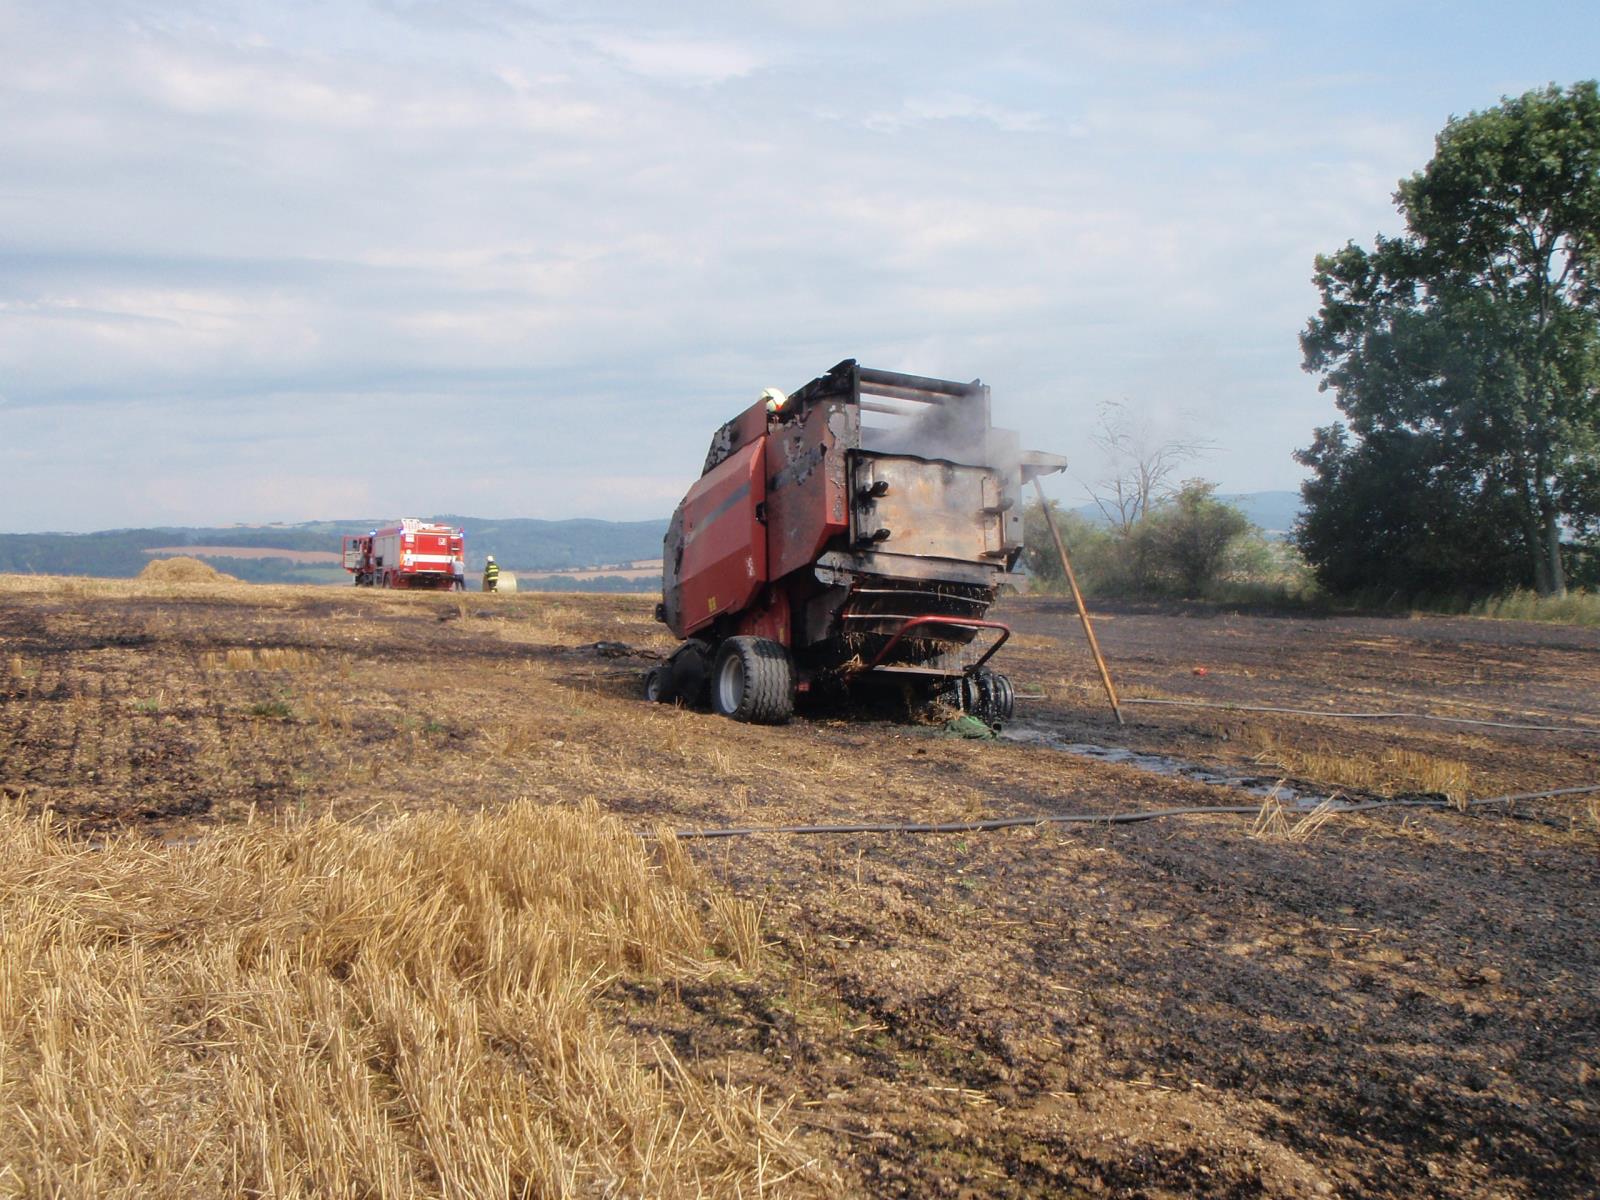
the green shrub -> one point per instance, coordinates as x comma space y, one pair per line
1192, 545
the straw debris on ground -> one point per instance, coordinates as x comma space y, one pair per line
183, 569
322, 1009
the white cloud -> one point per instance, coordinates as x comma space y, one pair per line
681, 59
953, 106
233, 232
1170, 41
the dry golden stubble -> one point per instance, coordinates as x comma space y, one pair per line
266, 658
1276, 822
406, 1010
738, 922
1392, 771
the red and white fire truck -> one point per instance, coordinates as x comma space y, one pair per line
412, 554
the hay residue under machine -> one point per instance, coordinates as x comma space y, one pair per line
850, 536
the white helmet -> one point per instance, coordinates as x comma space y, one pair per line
775, 399
489, 558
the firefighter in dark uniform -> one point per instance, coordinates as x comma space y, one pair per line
491, 574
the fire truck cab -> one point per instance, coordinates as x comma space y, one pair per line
412, 554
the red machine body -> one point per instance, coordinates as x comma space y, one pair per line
412, 554
848, 548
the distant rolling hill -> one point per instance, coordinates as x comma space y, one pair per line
1274, 512
523, 545
535, 549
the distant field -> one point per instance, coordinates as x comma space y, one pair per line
299, 556
641, 570
476, 965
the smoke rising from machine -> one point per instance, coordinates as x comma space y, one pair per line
956, 430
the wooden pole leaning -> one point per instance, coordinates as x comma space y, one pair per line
1077, 596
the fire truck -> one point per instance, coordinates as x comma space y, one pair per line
412, 554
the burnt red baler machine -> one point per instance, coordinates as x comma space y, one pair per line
853, 534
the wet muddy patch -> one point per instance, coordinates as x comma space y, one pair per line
1166, 765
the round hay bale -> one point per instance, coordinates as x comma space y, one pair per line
183, 570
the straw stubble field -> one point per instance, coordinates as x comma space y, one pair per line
355, 903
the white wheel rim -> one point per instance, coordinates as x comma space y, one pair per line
730, 683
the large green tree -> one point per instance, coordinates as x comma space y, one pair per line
1465, 356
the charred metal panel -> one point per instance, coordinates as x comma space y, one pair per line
1004, 454
722, 562
820, 619
885, 383
807, 483
671, 608
842, 381
735, 435
928, 508
841, 566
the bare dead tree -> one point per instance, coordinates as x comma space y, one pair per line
1143, 463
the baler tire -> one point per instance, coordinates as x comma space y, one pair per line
753, 681
989, 697
658, 685
690, 667
1000, 699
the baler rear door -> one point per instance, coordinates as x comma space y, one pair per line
928, 508
724, 544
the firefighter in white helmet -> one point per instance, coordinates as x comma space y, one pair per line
491, 574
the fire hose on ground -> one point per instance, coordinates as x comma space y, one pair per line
1368, 716
1125, 818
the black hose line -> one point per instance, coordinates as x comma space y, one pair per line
1366, 716
1127, 818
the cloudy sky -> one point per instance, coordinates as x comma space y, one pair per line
287, 259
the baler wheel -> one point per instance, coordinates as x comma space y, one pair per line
753, 680
1002, 699
690, 671
990, 696
658, 685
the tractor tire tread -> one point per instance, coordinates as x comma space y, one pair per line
768, 697
1002, 697
989, 697
658, 685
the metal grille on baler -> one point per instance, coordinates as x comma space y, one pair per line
874, 612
